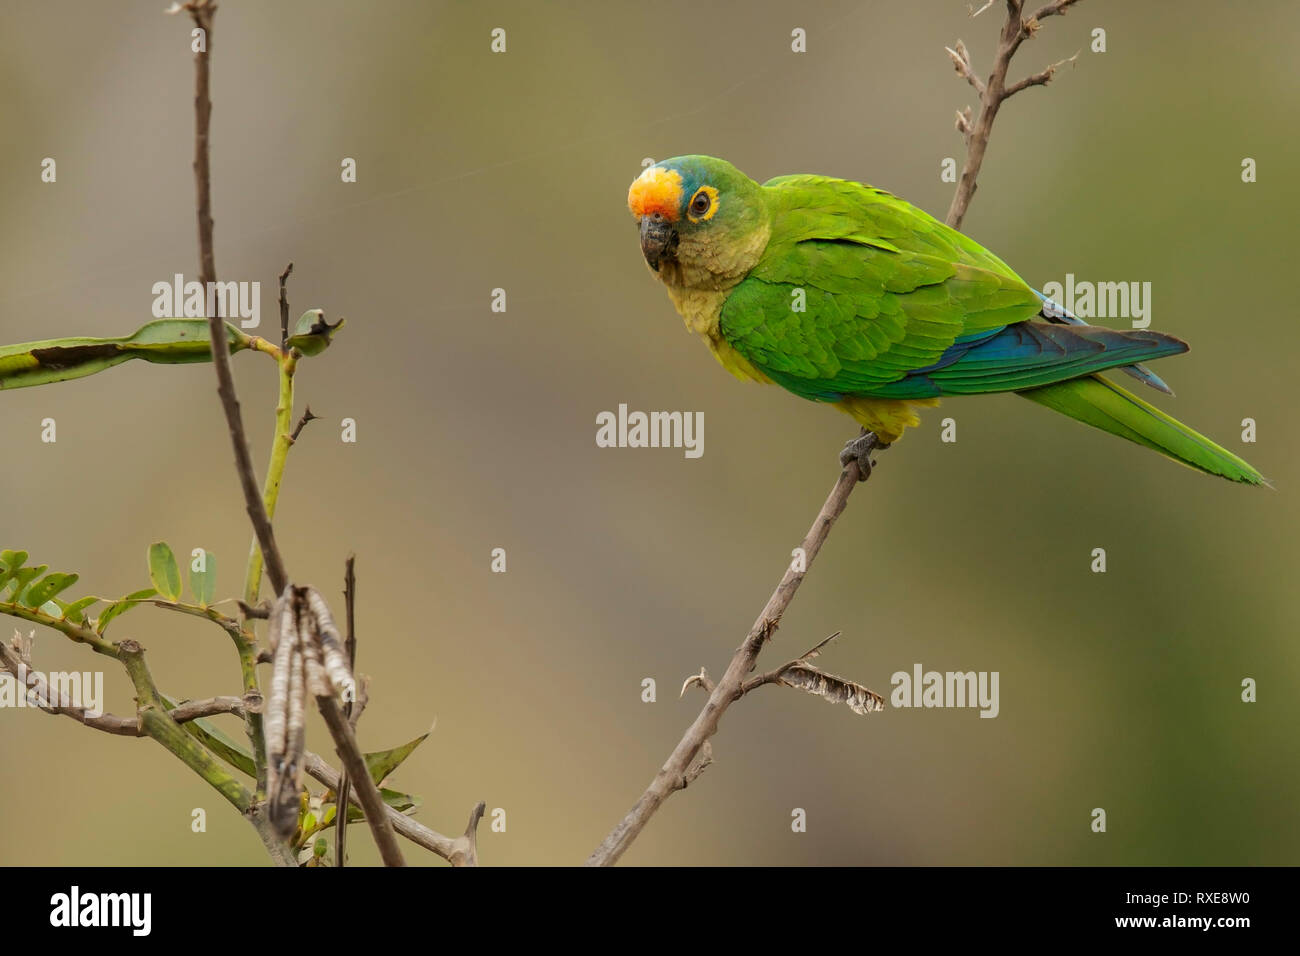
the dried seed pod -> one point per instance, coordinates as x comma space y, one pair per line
317, 682
285, 718
282, 636
331, 645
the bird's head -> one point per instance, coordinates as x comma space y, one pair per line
700, 220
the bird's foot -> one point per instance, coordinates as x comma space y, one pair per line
859, 450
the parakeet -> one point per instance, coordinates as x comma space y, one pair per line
845, 294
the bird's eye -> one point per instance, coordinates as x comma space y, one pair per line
700, 203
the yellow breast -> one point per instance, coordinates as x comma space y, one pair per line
701, 309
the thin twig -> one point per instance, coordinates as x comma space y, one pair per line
350, 650
284, 307
367, 793
202, 11
307, 416
1041, 78
961, 60
260, 612
772, 676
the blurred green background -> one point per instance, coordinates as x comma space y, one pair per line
476, 429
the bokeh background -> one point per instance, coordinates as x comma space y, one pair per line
476, 429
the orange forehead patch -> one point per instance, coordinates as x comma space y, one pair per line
657, 190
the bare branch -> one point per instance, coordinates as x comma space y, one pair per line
367, 793
307, 416
816, 649
202, 12
698, 764
681, 767
37, 692
350, 649
1015, 30
1038, 79
961, 60
774, 676
194, 709
284, 308
1053, 9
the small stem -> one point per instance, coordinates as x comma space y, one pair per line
75, 632
202, 12
284, 307
280, 446
350, 649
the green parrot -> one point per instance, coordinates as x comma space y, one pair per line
843, 293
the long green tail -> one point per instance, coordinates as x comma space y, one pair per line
1102, 404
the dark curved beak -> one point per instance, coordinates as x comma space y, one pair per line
658, 240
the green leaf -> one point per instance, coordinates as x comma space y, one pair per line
312, 334
383, 762
203, 584
401, 802
48, 586
10, 563
163, 572
24, 577
121, 606
221, 745
166, 341
51, 609
75, 612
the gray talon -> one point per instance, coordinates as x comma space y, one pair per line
859, 450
